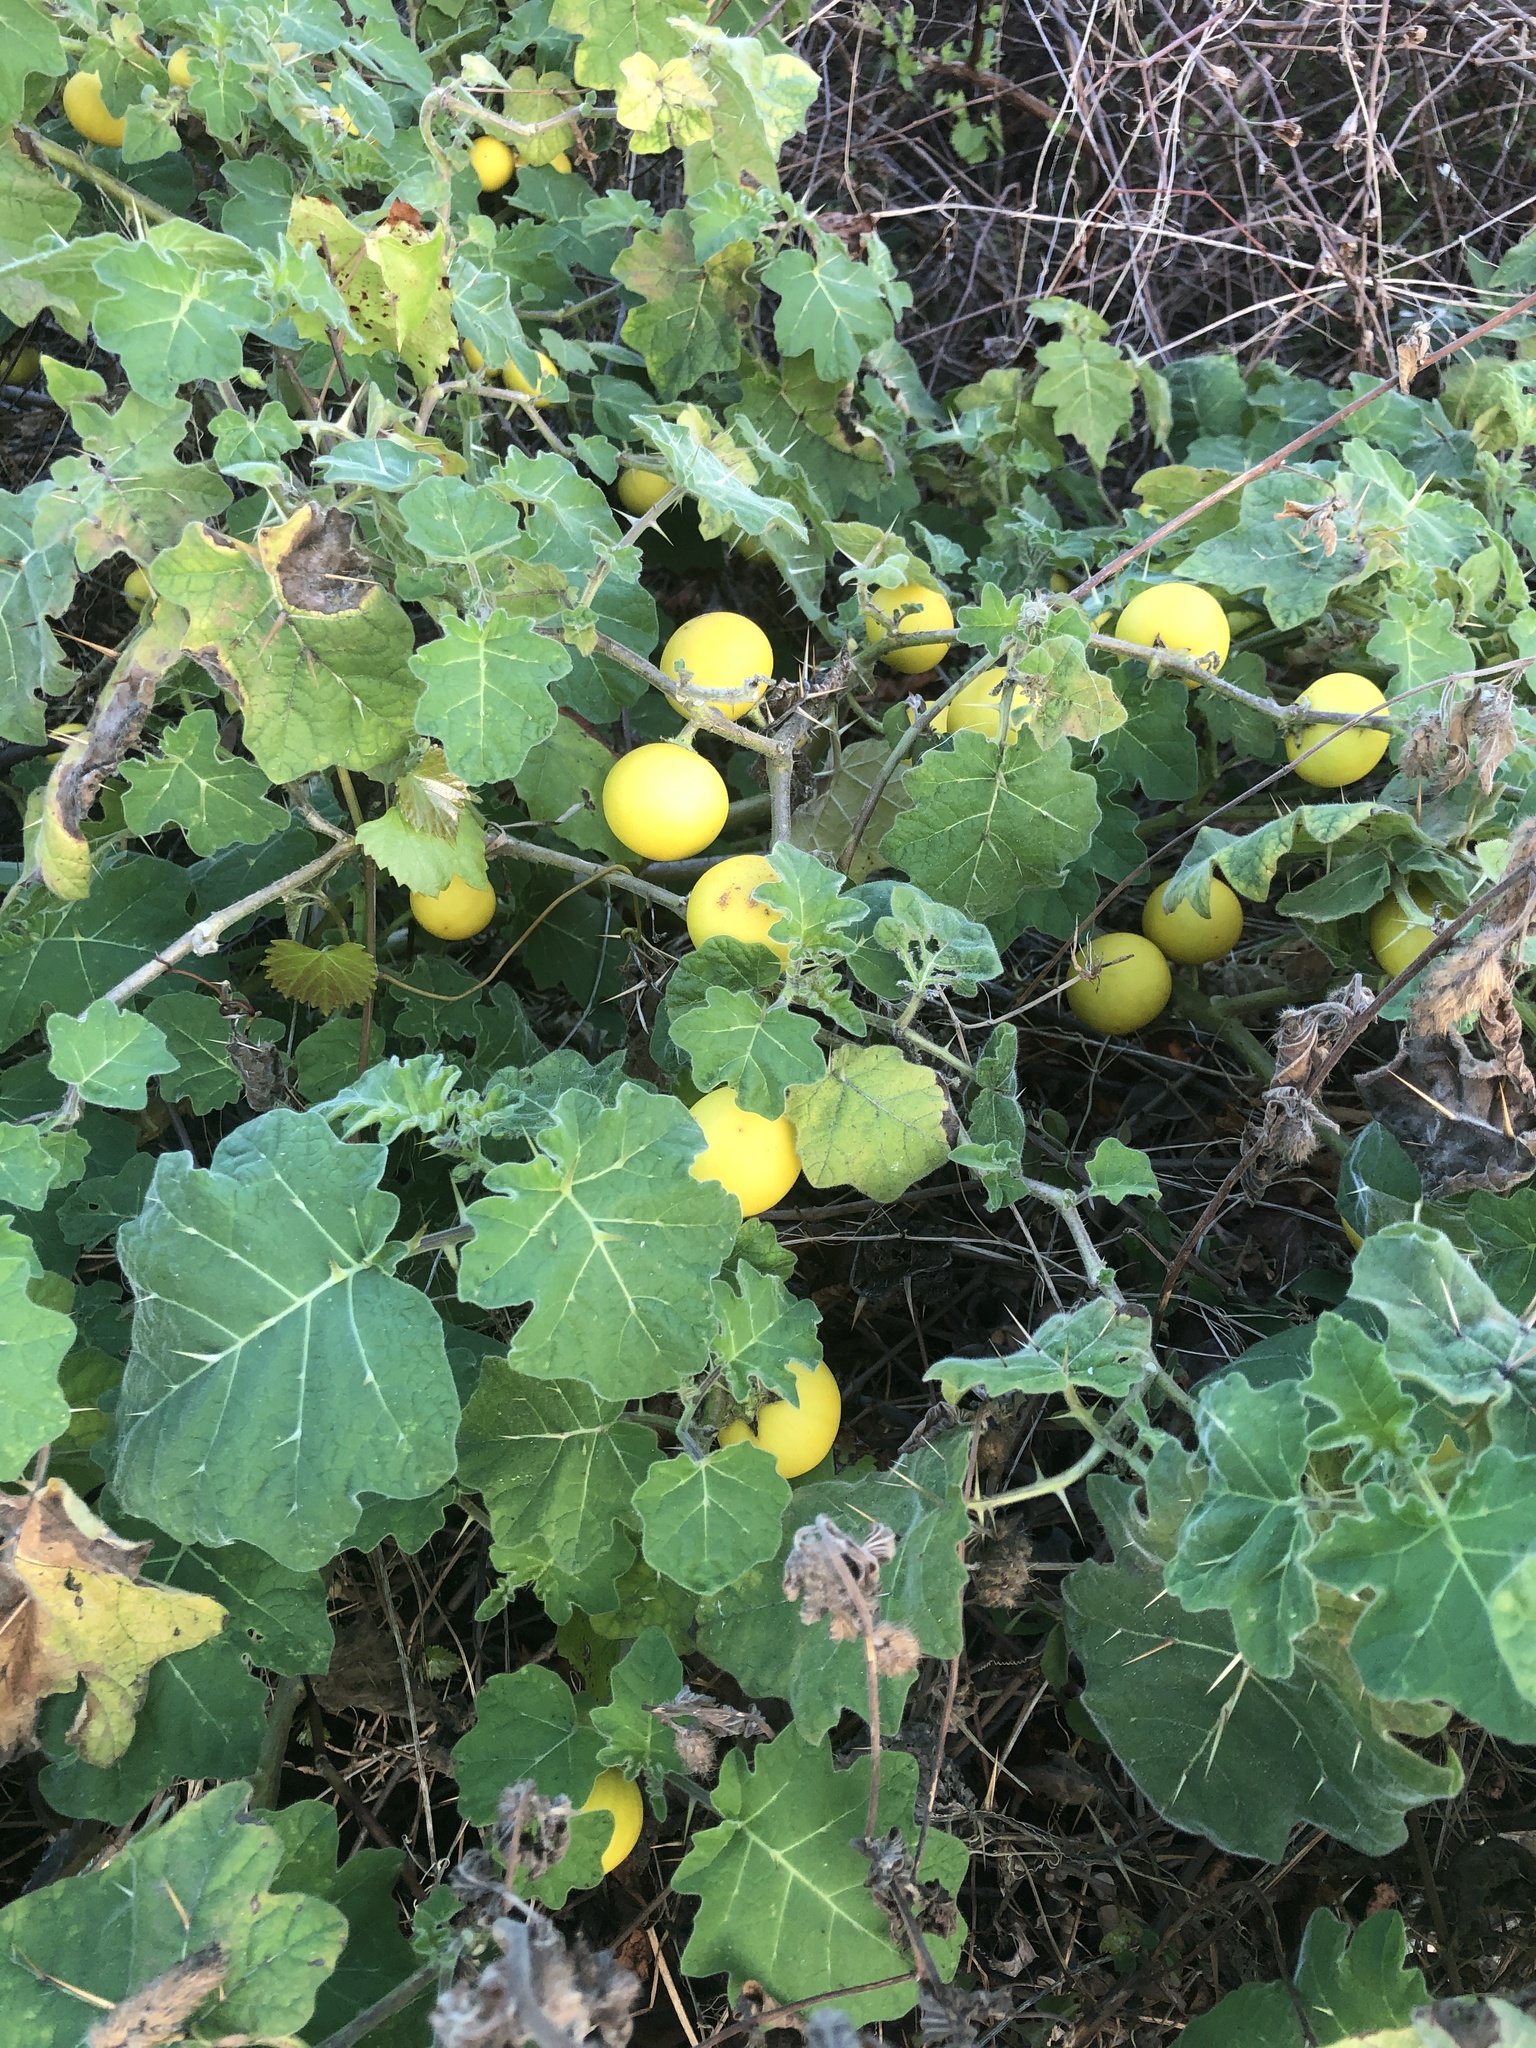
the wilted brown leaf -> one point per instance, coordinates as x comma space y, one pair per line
72, 1606
158, 2014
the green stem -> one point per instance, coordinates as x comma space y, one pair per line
274, 1744
81, 167
405, 1993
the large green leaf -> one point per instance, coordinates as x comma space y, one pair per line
876, 1122
216, 798
1286, 560
295, 628
647, 1675
32, 49
781, 1886
197, 1036
1214, 1746
612, 1241
704, 1522
1095, 1345
830, 308
487, 693
1434, 1565
1445, 1328
1090, 390
557, 1468
691, 321
1244, 1547
985, 822
525, 1727
203, 1716
201, 1879
279, 1369
34, 1340
181, 307
1350, 1374
62, 956
277, 1616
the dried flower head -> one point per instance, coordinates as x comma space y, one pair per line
837, 1576
539, 1990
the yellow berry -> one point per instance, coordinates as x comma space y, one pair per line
1126, 983
614, 1793
86, 110
179, 65
514, 379
753, 1157
639, 489
1181, 617
932, 610
798, 1437
457, 912
664, 801
21, 368
721, 651
721, 903
1356, 750
492, 162
979, 707
1395, 940
1184, 935
137, 591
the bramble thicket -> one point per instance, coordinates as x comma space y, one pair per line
765, 1126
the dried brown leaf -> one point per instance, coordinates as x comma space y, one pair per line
158, 2014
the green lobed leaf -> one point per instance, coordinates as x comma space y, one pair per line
763, 1331
647, 1675
1445, 1328
781, 1885
607, 1216
197, 1034
1119, 1173
267, 1315
1245, 1545
201, 1878
216, 798
487, 693
1094, 1345
557, 1468
76, 951
757, 1049
424, 861
1348, 1981
830, 308
1350, 1374
704, 1522
1216, 1747
295, 628
876, 1122
34, 1340
1434, 1565
109, 1055
985, 822
1089, 389
180, 309
525, 1727
689, 324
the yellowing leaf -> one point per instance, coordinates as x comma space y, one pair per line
665, 105
72, 1607
392, 277
334, 979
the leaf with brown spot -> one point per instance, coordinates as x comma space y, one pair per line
72, 1607
310, 647
158, 2014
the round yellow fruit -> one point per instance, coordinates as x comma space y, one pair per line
1184, 935
179, 65
798, 1438
979, 708
457, 912
753, 1157
640, 489
932, 610
665, 801
1397, 942
614, 1793
22, 367
1355, 752
721, 651
721, 903
136, 590
514, 379
492, 162
86, 111
1181, 617
1128, 985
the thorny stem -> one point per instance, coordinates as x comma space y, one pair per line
1104, 1435
588, 870
1100, 1276
274, 1743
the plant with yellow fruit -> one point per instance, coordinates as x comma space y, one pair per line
1193, 937
797, 1434
720, 651
722, 904
909, 608
86, 111
664, 801
456, 912
1123, 983
1180, 617
752, 1157
1352, 751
